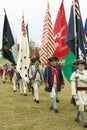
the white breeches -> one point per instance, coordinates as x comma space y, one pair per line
22, 85
36, 90
53, 92
81, 98
14, 81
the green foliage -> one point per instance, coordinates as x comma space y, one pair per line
31, 46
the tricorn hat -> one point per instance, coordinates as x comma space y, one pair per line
33, 59
53, 59
79, 61
37, 59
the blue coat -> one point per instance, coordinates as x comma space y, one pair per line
48, 77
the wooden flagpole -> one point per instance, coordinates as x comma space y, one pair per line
75, 40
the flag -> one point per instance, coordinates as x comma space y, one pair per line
47, 44
85, 31
8, 44
75, 39
35, 53
68, 68
75, 34
23, 58
27, 33
60, 30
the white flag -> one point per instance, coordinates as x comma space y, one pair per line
23, 58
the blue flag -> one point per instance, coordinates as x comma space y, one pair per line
8, 46
75, 40
85, 30
85, 27
75, 25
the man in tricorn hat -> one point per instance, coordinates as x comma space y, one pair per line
78, 88
36, 77
53, 79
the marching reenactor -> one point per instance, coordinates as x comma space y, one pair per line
13, 74
78, 89
36, 77
4, 74
54, 81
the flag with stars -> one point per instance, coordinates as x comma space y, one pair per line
23, 58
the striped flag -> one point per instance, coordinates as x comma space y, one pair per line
48, 46
23, 58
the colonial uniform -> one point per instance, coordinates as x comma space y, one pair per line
54, 78
78, 89
4, 74
14, 79
22, 85
35, 74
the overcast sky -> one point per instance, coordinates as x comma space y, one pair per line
34, 13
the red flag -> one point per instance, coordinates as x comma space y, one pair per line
48, 46
60, 30
34, 54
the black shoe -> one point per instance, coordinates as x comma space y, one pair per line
77, 119
51, 108
37, 101
55, 110
14, 91
3, 81
57, 100
85, 124
25, 94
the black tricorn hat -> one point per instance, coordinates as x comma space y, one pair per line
79, 61
33, 59
13, 64
53, 59
37, 59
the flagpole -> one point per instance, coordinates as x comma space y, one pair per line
75, 36
75, 33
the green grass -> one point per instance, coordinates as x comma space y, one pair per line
19, 112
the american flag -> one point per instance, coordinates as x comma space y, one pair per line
23, 58
48, 46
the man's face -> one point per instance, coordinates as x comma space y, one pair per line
81, 67
53, 63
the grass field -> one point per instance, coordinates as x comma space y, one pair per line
18, 112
